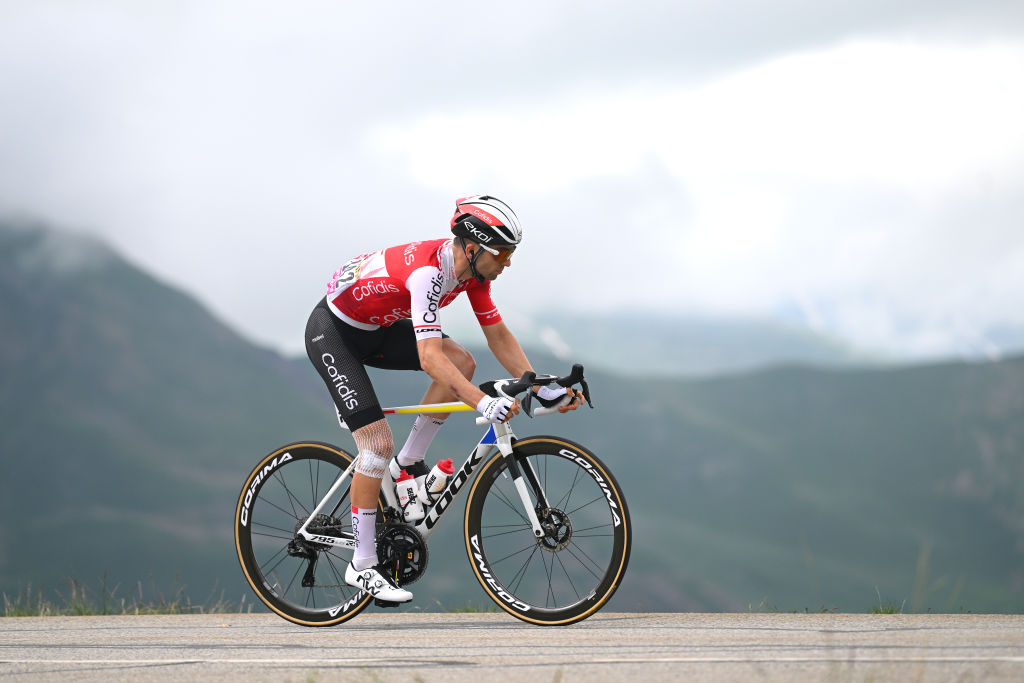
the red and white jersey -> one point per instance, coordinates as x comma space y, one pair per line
412, 280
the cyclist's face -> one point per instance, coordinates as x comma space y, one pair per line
491, 266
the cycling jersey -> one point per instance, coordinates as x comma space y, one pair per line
412, 280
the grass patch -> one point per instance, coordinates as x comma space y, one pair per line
887, 606
78, 599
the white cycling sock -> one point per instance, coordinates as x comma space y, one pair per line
420, 436
364, 528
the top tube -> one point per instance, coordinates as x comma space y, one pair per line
454, 407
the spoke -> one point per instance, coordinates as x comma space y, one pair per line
521, 574
578, 535
334, 569
551, 589
314, 481
500, 495
344, 495
568, 578
532, 546
334, 552
267, 572
341, 501
289, 537
291, 583
270, 528
295, 500
569, 512
585, 566
518, 530
576, 531
292, 498
275, 505
564, 502
311, 591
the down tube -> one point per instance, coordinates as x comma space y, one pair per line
427, 525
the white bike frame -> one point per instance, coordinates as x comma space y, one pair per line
497, 435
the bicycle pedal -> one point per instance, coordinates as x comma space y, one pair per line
383, 603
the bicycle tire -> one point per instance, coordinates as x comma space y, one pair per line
278, 496
573, 571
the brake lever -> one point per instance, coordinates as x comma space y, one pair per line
576, 377
586, 392
526, 403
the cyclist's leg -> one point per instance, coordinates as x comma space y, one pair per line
334, 351
398, 351
426, 426
336, 355
375, 448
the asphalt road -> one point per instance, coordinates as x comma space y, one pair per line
484, 647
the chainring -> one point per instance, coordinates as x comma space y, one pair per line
402, 550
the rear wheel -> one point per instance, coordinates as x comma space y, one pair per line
574, 569
300, 580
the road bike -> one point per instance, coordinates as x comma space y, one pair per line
547, 530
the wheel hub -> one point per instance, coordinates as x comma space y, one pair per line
557, 529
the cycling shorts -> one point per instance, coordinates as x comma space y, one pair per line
340, 352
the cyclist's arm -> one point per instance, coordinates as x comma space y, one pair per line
510, 354
506, 348
425, 287
500, 340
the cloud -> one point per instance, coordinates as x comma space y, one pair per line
730, 156
782, 176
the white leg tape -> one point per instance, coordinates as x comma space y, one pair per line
371, 464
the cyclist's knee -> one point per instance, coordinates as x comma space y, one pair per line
460, 357
376, 445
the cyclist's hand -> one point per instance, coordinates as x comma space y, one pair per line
575, 401
497, 410
564, 400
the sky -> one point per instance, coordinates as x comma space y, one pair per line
854, 167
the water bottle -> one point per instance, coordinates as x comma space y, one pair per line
407, 499
435, 482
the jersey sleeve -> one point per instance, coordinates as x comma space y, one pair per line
483, 305
426, 287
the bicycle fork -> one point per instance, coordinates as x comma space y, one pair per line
503, 438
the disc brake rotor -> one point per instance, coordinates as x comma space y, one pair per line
557, 529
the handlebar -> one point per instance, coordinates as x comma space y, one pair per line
510, 388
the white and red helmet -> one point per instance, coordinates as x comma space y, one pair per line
486, 220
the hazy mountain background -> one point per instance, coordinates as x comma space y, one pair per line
131, 416
659, 344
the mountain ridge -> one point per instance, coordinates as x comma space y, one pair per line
132, 416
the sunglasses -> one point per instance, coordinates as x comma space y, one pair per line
500, 255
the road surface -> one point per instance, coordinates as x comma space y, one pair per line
486, 647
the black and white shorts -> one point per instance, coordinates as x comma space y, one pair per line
340, 352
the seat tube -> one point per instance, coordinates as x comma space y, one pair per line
387, 487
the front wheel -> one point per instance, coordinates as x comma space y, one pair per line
574, 569
300, 580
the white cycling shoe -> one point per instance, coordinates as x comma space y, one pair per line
376, 583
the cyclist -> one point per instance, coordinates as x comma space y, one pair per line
383, 310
